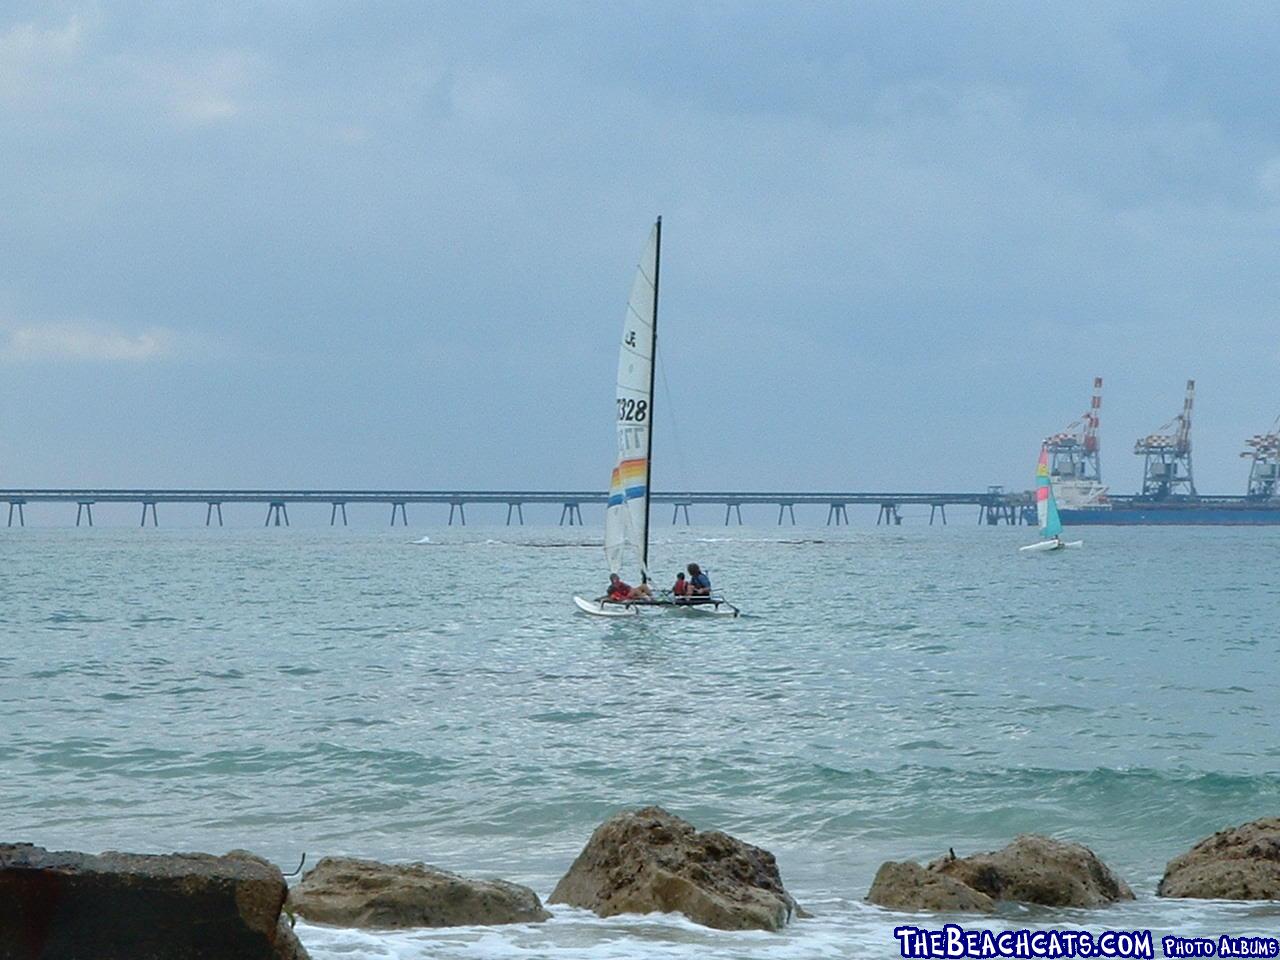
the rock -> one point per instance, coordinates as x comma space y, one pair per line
1036, 869
288, 947
1240, 863
364, 893
909, 886
187, 906
650, 860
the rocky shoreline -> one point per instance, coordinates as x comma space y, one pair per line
191, 905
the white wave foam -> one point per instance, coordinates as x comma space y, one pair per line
572, 934
841, 928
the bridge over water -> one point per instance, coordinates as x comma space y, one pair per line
994, 505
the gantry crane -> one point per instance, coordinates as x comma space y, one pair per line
1166, 470
1073, 453
1264, 471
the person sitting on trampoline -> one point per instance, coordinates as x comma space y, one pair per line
699, 582
619, 589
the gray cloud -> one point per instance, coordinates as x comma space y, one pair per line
901, 238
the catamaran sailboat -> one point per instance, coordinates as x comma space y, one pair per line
1047, 512
626, 524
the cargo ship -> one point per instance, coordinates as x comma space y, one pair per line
1209, 511
1168, 495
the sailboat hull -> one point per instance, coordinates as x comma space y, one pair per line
598, 608
1044, 546
714, 607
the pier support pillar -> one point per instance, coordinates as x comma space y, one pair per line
838, 514
155, 522
87, 507
462, 513
22, 521
277, 514
519, 511
941, 510
208, 514
889, 515
573, 513
333, 514
675, 514
732, 508
404, 517
787, 508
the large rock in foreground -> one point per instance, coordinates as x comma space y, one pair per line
141, 907
364, 893
1240, 863
652, 861
909, 886
1036, 869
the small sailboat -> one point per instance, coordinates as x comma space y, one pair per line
626, 524
1047, 512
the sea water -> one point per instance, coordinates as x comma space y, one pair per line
889, 693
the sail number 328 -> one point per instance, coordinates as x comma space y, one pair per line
633, 411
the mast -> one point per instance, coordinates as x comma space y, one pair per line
653, 367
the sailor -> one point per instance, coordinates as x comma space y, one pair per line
680, 589
619, 589
699, 582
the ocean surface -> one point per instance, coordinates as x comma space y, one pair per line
888, 694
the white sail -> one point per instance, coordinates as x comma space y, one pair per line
627, 515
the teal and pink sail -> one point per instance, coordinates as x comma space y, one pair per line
1046, 505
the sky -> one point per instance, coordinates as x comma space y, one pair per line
389, 245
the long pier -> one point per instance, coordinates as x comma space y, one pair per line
994, 505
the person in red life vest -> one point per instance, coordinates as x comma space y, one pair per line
619, 589
680, 589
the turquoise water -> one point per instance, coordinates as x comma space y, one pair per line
890, 694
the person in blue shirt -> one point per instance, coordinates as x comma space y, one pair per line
699, 582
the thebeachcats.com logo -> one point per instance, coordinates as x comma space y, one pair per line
953, 940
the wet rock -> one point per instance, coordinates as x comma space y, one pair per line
364, 893
910, 887
187, 906
1239, 863
288, 946
650, 861
1036, 869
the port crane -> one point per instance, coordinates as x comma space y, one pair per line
1073, 452
1264, 471
1166, 454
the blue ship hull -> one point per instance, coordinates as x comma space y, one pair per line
1236, 513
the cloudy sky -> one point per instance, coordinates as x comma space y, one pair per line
390, 244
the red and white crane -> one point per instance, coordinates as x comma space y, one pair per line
1166, 470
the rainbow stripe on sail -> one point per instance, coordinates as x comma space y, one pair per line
629, 481
1046, 505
